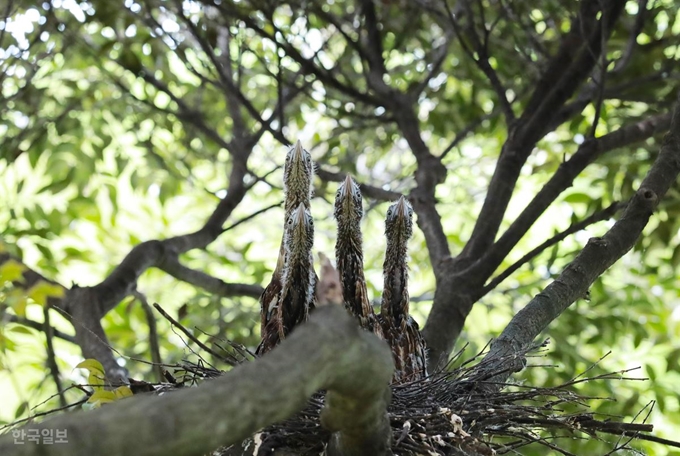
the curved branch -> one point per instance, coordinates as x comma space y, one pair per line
212, 284
597, 256
329, 352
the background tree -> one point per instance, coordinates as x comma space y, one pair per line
142, 144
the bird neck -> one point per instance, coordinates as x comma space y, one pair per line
296, 193
297, 290
395, 300
350, 258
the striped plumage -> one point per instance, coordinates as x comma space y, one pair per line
349, 256
298, 173
400, 329
298, 280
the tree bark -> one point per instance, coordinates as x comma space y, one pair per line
329, 352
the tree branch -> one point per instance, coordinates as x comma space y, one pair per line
563, 178
329, 352
566, 71
430, 173
209, 283
598, 216
482, 59
461, 283
51, 357
597, 256
367, 190
37, 325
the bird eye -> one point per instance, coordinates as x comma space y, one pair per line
389, 212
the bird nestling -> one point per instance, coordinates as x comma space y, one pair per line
400, 329
298, 280
298, 172
349, 255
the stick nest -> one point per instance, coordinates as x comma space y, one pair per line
457, 411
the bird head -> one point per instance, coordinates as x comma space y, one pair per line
298, 171
300, 231
348, 201
399, 220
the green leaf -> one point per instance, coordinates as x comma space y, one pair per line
43, 290
96, 377
101, 396
11, 271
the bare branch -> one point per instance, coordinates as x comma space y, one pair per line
462, 134
252, 216
209, 283
51, 358
622, 63
482, 59
154, 346
227, 359
308, 65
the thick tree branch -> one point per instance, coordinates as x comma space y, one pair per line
462, 284
566, 71
86, 306
329, 352
430, 173
563, 178
212, 284
597, 256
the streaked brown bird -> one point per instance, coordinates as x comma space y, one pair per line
298, 172
349, 255
298, 280
400, 329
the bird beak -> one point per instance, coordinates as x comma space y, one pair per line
299, 219
297, 152
298, 158
402, 208
347, 187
